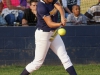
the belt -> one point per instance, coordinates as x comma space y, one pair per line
46, 30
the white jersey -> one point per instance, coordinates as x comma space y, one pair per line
93, 13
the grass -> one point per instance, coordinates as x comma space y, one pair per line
85, 4
89, 69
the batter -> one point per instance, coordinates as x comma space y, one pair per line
47, 15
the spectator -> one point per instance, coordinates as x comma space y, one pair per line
2, 20
28, 4
25, 3
1, 6
12, 11
29, 17
67, 4
93, 14
76, 18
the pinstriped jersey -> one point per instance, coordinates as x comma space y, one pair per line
93, 13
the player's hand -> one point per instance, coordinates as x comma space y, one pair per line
63, 21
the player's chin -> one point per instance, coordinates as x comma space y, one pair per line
50, 1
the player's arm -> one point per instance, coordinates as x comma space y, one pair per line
62, 13
50, 23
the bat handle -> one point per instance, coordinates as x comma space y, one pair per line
54, 34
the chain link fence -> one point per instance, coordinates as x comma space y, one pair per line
85, 4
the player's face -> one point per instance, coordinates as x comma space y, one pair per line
33, 6
76, 10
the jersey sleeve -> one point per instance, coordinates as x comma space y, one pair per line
42, 10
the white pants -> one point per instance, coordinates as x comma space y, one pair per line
42, 46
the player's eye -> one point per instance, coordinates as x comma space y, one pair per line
34, 5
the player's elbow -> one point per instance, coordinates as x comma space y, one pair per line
58, 6
53, 24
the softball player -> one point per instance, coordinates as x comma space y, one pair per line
47, 23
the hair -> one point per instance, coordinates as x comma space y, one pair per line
33, 1
76, 6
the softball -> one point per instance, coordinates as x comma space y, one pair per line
61, 31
